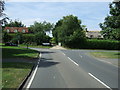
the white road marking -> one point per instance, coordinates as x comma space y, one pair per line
106, 61
99, 81
63, 54
54, 77
30, 82
80, 56
73, 61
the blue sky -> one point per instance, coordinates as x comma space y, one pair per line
91, 13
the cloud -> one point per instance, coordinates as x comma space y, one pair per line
91, 13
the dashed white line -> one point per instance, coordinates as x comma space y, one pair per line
80, 56
63, 54
54, 77
30, 82
73, 61
99, 81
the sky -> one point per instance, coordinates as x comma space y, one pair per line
90, 13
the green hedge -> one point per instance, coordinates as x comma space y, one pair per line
101, 44
96, 44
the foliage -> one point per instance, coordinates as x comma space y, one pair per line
68, 31
15, 23
111, 25
100, 44
6, 37
3, 18
40, 27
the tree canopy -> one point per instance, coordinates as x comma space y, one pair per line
68, 31
40, 27
111, 25
3, 16
15, 23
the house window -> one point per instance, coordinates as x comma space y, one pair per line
8, 30
15, 31
23, 31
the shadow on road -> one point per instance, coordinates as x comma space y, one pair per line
45, 63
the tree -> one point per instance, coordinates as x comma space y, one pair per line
15, 23
111, 25
40, 27
6, 37
3, 17
67, 29
39, 38
18, 38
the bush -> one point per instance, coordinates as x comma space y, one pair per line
96, 44
101, 44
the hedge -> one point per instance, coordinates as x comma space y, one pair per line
102, 44
98, 44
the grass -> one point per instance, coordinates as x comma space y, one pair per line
35, 46
14, 73
18, 52
107, 55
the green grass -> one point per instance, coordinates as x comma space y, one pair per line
14, 73
35, 46
107, 55
17, 52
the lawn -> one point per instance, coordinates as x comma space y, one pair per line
14, 73
35, 46
18, 52
107, 55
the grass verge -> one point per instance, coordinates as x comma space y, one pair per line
35, 46
14, 73
107, 55
18, 52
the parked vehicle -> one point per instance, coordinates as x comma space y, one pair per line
10, 44
46, 44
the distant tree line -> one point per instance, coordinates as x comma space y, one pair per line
37, 33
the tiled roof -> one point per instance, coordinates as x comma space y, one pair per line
19, 29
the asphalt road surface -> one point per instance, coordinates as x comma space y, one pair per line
72, 69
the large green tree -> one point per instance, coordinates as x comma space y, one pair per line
111, 25
40, 27
69, 31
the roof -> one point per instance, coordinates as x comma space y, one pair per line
20, 29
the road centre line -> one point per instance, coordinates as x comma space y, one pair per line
99, 81
80, 56
31, 80
73, 61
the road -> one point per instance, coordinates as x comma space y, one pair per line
72, 69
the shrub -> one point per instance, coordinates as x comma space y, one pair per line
101, 44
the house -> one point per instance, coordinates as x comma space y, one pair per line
16, 29
93, 34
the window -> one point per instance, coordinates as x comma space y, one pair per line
23, 31
8, 30
15, 31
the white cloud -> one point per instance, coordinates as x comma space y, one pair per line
59, 0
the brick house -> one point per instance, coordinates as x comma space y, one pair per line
16, 29
93, 34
